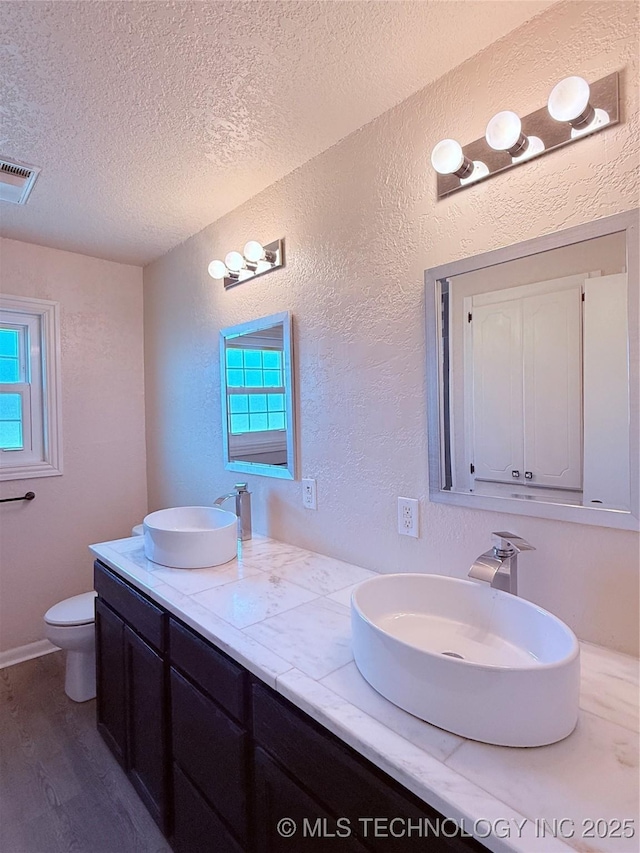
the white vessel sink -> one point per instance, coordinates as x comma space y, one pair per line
468, 658
190, 537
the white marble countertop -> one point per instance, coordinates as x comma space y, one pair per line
283, 613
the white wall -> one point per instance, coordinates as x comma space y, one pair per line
102, 492
362, 223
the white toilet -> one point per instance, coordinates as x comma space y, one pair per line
70, 625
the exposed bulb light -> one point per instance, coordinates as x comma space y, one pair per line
504, 133
569, 101
254, 251
447, 158
218, 270
235, 262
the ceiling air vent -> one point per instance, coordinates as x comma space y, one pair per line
16, 181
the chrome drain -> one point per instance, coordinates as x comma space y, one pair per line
453, 655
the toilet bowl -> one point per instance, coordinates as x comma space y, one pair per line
70, 626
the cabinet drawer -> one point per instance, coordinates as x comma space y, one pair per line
197, 828
210, 669
341, 780
147, 618
211, 750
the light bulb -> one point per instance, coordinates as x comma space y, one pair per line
217, 269
447, 158
235, 261
254, 251
504, 133
569, 101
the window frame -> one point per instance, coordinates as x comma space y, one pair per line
43, 374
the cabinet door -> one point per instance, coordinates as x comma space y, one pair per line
212, 751
146, 724
277, 797
197, 828
111, 698
497, 392
552, 346
344, 783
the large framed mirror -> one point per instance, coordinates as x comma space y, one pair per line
258, 422
533, 376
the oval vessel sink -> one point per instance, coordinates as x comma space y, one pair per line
470, 659
190, 537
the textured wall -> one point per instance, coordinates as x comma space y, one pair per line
362, 223
102, 492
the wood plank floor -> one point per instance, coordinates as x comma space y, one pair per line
61, 791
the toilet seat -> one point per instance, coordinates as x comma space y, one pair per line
77, 610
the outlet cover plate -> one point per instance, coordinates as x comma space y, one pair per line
309, 500
408, 517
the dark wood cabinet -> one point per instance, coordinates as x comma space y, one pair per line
197, 827
131, 688
110, 679
210, 743
212, 750
220, 759
348, 789
146, 724
289, 818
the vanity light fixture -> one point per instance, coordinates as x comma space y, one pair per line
255, 260
574, 109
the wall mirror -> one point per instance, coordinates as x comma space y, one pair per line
257, 397
533, 376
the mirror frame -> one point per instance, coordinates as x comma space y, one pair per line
626, 222
282, 473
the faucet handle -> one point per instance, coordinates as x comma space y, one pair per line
507, 544
241, 487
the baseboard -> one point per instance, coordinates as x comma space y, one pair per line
22, 653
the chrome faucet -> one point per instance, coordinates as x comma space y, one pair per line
499, 566
242, 497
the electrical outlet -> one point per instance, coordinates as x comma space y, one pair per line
408, 517
309, 494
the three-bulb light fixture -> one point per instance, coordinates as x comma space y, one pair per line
254, 260
569, 114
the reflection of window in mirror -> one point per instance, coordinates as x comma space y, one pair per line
258, 414
247, 372
257, 417
535, 377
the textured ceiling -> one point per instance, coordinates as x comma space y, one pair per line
150, 119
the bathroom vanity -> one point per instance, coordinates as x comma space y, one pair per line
230, 698
220, 759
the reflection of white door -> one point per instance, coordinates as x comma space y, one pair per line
527, 386
606, 393
497, 391
552, 357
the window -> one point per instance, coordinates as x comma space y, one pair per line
30, 438
256, 390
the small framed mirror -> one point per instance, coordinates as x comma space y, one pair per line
258, 422
533, 376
